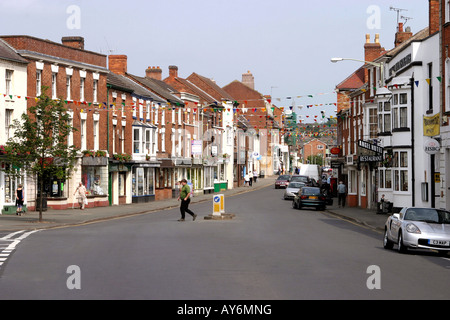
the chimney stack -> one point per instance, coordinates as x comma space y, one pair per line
433, 12
173, 72
118, 64
401, 36
154, 73
73, 42
374, 50
248, 80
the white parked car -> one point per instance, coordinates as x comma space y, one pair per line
418, 228
292, 189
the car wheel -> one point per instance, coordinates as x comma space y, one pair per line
387, 244
401, 247
294, 205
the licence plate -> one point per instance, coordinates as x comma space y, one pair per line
439, 242
313, 197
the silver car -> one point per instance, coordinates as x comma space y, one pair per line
292, 189
418, 228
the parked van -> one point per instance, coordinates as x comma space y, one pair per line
310, 170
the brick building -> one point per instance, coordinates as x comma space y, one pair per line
205, 125
132, 131
255, 112
78, 77
174, 124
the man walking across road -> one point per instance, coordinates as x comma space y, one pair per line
185, 194
342, 193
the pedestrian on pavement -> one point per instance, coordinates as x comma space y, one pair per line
246, 180
250, 179
19, 200
342, 193
81, 195
255, 176
185, 195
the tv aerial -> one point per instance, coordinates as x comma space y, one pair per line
398, 10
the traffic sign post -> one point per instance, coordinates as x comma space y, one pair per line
218, 204
219, 209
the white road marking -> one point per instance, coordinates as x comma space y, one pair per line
11, 243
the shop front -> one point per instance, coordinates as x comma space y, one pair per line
143, 181
8, 186
94, 176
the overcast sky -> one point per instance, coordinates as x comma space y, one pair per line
286, 44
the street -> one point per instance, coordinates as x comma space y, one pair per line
269, 251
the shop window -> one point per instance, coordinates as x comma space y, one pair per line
94, 181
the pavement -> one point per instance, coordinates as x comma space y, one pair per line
73, 217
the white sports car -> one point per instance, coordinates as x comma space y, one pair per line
419, 228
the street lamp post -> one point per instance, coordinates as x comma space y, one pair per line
376, 64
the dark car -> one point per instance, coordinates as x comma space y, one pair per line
305, 179
309, 197
282, 181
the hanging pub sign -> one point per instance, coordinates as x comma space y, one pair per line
431, 125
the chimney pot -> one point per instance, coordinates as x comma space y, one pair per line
153, 73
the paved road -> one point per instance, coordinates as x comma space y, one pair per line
269, 251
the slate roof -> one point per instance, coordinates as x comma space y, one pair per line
125, 84
8, 53
159, 87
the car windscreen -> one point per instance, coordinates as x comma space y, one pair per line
284, 177
427, 215
311, 191
299, 178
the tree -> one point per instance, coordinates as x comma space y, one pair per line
39, 145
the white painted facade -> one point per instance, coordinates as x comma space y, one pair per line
413, 91
13, 90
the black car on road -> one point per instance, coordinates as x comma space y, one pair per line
310, 197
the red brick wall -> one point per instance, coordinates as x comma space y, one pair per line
311, 148
55, 49
433, 13
61, 51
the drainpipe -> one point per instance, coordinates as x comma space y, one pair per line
413, 178
108, 86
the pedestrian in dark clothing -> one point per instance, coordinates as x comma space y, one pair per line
19, 200
185, 194
342, 193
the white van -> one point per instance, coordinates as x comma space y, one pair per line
310, 170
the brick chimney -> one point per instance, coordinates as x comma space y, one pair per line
154, 73
118, 64
433, 12
173, 72
401, 36
372, 50
74, 42
248, 80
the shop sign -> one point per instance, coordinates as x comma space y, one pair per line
432, 146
